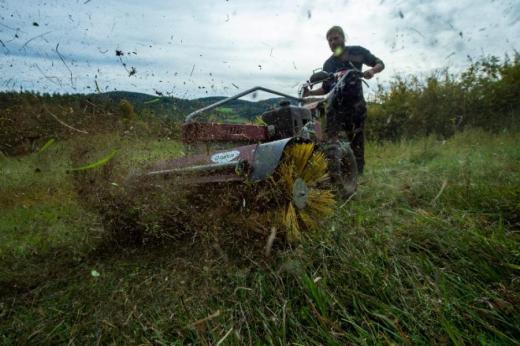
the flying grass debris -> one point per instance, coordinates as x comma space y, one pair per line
96, 164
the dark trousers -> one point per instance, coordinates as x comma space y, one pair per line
347, 119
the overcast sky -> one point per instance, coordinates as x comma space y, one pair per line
205, 48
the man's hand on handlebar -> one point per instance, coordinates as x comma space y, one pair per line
368, 74
371, 72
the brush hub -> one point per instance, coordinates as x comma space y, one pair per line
300, 193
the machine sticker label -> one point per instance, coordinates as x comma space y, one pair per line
224, 157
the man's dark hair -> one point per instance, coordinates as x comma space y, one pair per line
335, 29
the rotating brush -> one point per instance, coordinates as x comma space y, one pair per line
303, 200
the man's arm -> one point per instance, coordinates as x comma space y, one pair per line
372, 71
325, 87
373, 61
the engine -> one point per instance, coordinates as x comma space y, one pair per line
286, 120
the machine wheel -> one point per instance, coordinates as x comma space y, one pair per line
346, 185
343, 170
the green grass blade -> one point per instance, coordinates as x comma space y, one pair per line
98, 163
46, 145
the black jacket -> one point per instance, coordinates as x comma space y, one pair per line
353, 56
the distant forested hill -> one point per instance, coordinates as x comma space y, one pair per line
177, 109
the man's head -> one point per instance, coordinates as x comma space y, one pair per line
336, 38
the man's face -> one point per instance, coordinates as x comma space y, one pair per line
335, 40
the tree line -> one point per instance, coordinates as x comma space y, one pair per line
486, 95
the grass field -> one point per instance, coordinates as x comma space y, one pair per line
426, 252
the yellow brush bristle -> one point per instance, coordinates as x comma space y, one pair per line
291, 222
287, 175
300, 154
321, 202
315, 170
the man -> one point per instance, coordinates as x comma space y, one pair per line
349, 112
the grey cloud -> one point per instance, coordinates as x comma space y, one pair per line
229, 39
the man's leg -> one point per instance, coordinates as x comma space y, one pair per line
358, 147
357, 135
332, 145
